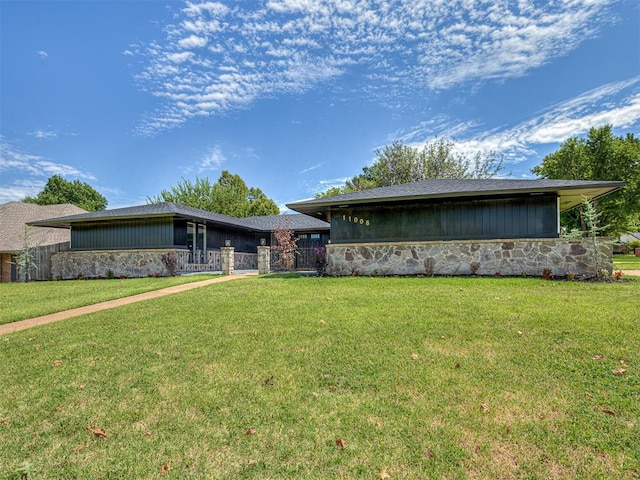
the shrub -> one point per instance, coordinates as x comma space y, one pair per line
320, 259
286, 245
170, 260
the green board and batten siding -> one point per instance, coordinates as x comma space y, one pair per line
123, 234
527, 217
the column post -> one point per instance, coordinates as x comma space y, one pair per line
227, 260
264, 259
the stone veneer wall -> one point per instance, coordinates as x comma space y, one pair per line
504, 257
96, 264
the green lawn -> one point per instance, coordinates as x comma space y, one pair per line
27, 300
626, 262
356, 377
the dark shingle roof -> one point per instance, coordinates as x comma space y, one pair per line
168, 209
570, 192
295, 221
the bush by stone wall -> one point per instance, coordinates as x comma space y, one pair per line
503, 257
102, 264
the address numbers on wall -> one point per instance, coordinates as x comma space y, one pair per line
356, 220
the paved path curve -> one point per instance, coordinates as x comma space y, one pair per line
76, 312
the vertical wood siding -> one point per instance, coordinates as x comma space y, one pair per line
143, 233
525, 217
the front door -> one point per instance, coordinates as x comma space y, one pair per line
197, 242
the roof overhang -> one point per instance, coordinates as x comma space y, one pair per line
570, 196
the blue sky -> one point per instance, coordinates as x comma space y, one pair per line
295, 96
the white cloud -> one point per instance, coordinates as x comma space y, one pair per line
193, 41
179, 57
128, 53
211, 8
313, 167
42, 54
616, 104
14, 160
43, 134
212, 160
391, 49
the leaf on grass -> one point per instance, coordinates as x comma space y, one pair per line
159, 354
485, 407
384, 474
624, 363
78, 448
341, 443
81, 386
165, 469
98, 432
519, 332
332, 388
4, 421
268, 382
619, 371
57, 363
250, 431
598, 357
457, 365
608, 411
323, 322
414, 356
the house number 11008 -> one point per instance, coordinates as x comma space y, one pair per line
358, 220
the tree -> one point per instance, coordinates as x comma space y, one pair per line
25, 261
600, 156
58, 190
228, 196
286, 245
396, 164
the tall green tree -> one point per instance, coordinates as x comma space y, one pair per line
228, 196
396, 164
600, 156
58, 190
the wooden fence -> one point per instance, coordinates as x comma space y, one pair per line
41, 257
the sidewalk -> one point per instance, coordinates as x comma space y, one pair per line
76, 312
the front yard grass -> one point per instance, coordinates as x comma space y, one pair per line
626, 262
19, 301
353, 377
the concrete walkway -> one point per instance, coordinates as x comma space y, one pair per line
76, 312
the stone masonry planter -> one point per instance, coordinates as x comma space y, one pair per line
511, 257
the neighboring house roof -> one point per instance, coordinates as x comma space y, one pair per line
15, 216
168, 209
571, 192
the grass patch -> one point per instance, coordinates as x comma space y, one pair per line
258, 378
626, 262
28, 300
